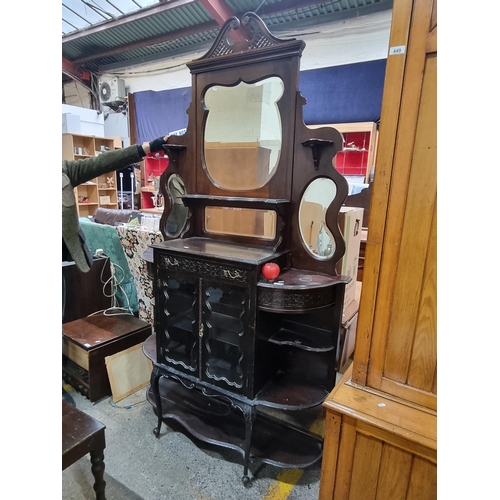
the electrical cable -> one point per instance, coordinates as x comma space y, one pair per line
115, 285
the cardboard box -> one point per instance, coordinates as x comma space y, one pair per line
350, 223
348, 340
348, 330
71, 124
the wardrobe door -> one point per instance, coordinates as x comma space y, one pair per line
397, 337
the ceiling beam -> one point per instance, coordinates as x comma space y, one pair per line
221, 12
126, 19
148, 42
72, 69
218, 9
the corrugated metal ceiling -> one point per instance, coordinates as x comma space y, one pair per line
102, 36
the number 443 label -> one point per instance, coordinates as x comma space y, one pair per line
399, 49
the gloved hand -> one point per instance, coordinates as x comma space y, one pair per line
157, 144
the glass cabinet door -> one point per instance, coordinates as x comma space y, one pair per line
225, 316
179, 321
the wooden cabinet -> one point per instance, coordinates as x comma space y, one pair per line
377, 447
380, 439
357, 157
223, 330
242, 361
98, 192
154, 164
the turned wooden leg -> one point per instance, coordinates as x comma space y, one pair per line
155, 385
97, 461
249, 415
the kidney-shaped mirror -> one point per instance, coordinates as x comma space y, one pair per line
243, 133
178, 215
314, 232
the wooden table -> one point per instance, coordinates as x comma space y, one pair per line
82, 434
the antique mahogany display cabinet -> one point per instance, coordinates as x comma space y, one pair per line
241, 360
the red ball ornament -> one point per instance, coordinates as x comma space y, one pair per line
271, 271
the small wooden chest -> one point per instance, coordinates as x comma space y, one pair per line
88, 341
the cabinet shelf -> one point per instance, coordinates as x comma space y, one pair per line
224, 336
290, 392
317, 343
91, 189
153, 167
273, 441
357, 157
285, 391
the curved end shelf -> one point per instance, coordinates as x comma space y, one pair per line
273, 441
297, 291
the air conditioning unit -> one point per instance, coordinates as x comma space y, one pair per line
112, 91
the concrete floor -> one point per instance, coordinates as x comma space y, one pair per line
173, 466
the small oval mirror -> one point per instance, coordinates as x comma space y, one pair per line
314, 232
178, 214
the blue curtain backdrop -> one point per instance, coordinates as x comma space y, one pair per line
339, 94
159, 113
343, 94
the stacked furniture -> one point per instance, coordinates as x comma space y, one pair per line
244, 358
88, 341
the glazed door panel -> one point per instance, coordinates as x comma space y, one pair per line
225, 316
176, 318
206, 324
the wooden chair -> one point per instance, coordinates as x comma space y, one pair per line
82, 434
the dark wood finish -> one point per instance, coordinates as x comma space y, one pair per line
299, 291
362, 200
306, 172
219, 422
87, 342
230, 345
82, 435
85, 291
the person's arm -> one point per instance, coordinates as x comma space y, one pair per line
153, 146
80, 171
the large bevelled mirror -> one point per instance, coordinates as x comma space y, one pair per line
314, 232
243, 133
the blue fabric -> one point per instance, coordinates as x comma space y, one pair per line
159, 113
339, 94
106, 238
343, 94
